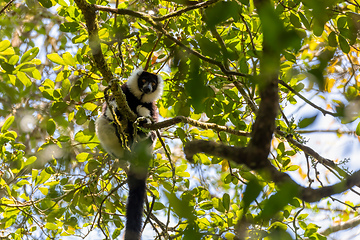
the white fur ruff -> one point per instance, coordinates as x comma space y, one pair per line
132, 84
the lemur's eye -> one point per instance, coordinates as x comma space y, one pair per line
143, 80
153, 84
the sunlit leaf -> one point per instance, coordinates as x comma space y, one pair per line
4, 45
54, 57
29, 55
7, 124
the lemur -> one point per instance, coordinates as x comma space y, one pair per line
142, 89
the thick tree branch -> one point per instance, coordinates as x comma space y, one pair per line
89, 12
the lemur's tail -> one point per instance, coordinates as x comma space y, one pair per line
135, 204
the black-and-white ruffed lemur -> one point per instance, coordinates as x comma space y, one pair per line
142, 89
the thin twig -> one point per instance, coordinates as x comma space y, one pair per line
203, 125
306, 100
6, 6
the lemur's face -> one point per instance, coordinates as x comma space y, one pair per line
148, 82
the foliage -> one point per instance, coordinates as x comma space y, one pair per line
215, 57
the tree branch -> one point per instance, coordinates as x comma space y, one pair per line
343, 226
306, 100
313, 153
203, 125
6, 6
89, 12
186, 9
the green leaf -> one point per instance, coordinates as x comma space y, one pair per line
54, 57
44, 190
44, 176
277, 233
80, 38
278, 225
29, 55
281, 147
22, 183
24, 79
357, 131
46, 3
279, 200
30, 160
13, 59
75, 92
50, 226
83, 137
207, 205
305, 122
292, 168
332, 39
68, 59
4, 45
8, 52
344, 45
70, 27
63, 138
180, 207
7, 124
91, 166
34, 174
220, 12
57, 108
80, 116
252, 191
82, 157
196, 86
209, 48
295, 21
244, 67
226, 201
318, 28
51, 126
116, 233
304, 20
9, 68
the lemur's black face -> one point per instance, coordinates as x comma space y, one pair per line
147, 82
